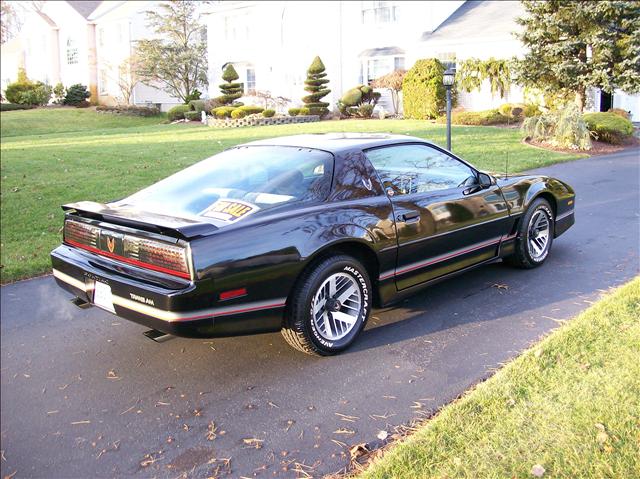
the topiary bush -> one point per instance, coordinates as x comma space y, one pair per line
304, 111
476, 118
177, 112
423, 94
231, 90
26, 92
223, 111
315, 84
268, 113
359, 101
192, 115
294, 111
608, 127
238, 113
251, 109
76, 94
198, 105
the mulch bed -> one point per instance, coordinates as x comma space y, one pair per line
597, 147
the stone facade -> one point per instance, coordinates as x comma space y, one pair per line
259, 120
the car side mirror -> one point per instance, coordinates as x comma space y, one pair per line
484, 180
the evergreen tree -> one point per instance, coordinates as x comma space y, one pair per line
231, 91
315, 84
574, 45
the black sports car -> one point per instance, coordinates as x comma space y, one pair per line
302, 234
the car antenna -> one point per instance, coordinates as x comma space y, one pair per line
506, 166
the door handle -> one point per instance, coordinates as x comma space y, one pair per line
409, 217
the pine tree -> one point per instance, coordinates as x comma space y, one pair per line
575, 45
231, 91
315, 85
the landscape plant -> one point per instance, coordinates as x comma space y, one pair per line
392, 82
59, 93
231, 90
177, 112
609, 127
176, 59
76, 95
26, 92
423, 93
316, 86
358, 102
472, 73
565, 128
575, 45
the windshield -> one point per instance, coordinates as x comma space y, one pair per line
240, 182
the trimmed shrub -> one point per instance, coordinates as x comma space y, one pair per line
198, 105
315, 85
194, 95
354, 100
515, 111
223, 111
294, 111
59, 93
76, 94
620, 112
608, 127
192, 115
131, 110
268, 113
27, 92
423, 94
238, 113
476, 118
13, 106
250, 109
566, 129
304, 111
177, 112
231, 91
531, 109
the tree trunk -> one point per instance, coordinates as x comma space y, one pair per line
581, 98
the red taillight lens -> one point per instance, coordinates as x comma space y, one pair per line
150, 254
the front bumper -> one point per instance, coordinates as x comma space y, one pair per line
171, 305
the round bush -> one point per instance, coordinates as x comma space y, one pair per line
424, 95
304, 111
268, 113
177, 112
223, 111
294, 111
192, 115
238, 113
620, 112
608, 127
76, 94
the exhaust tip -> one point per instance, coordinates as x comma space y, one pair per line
158, 336
81, 303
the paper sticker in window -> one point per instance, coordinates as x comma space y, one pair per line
229, 210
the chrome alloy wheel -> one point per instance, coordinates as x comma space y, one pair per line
336, 306
539, 231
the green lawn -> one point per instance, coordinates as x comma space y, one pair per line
570, 404
52, 157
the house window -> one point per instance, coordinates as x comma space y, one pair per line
72, 52
374, 13
379, 66
398, 63
250, 84
103, 82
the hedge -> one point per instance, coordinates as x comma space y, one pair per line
192, 115
423, 94
608, 127
486, 117
130, 110
13, 106
177, 112
268, 113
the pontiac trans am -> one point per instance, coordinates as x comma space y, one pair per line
302, 234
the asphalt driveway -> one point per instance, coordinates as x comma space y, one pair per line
84, 394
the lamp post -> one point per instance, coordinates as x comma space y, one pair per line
447, 80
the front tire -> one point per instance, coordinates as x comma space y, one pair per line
328, 307
535, 236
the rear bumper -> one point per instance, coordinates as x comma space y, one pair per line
176, 307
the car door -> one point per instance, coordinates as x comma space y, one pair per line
445, 219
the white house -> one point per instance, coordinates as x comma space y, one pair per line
272, 43
119, 25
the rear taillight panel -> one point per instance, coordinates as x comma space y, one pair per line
143, 252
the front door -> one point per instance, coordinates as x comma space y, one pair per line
444, 219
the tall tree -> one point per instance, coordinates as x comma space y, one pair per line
177, 58
574, 45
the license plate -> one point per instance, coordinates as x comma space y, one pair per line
102, 296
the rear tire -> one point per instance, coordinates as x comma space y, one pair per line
535, 236
328, 307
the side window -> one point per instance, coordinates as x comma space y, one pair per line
406, 169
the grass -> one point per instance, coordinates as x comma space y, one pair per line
571, 404
52, 157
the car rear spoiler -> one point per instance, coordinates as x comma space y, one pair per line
121, 215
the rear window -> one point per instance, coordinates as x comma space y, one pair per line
240, 182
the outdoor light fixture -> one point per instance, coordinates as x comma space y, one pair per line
447, 80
